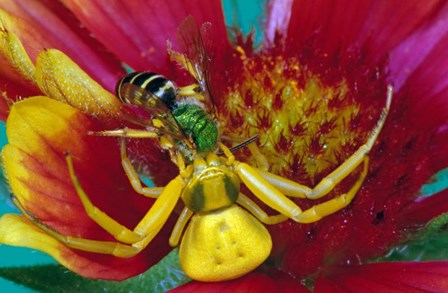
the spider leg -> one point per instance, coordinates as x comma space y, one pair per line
104, 247
132, 174
270, 195
271, 189
265, 191
328, 207
327, 184
119, 231
184, 217
262, 162
258, 212
160, 211
127, 132
151, 223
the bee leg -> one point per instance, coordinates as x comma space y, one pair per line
258, 212
190, 90
184, 62
182, 221
262, 162
133, 177
227, 153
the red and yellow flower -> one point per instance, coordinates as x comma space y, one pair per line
312, 91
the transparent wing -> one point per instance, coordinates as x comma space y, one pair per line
195, 44
156, 109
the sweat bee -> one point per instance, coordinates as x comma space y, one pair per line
220, 230
158, 96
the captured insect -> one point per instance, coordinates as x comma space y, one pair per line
183, 125
220, 230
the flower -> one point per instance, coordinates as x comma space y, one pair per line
312, 92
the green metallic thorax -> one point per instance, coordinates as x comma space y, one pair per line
195, 123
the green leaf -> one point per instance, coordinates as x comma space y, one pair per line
55, 278
428, 244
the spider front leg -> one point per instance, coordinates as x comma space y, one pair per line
270, 195
272, 189
133, 241
327, 184
127, 132
104, 247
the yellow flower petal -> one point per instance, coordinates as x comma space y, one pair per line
61, 79
14, 52
39, 131
35, 120
17, 231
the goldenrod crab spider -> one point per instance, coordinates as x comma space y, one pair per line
218, 243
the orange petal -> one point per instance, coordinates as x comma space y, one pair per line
61, 79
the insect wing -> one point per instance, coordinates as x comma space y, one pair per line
195, 44
155, 107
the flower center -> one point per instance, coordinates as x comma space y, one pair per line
305, 123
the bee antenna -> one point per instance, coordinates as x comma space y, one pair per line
241, 145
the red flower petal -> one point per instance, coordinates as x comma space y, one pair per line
342, 24
272, 281
419, 48
48, 24
137, 31
40, 130
428, 85
386, 277
425, 208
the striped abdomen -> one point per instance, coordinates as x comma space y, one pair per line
131, 89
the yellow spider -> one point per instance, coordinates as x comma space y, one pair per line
224, 236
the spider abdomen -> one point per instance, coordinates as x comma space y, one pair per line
223, 245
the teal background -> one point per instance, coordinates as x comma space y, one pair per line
246, 15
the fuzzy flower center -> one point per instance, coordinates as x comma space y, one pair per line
303, 123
